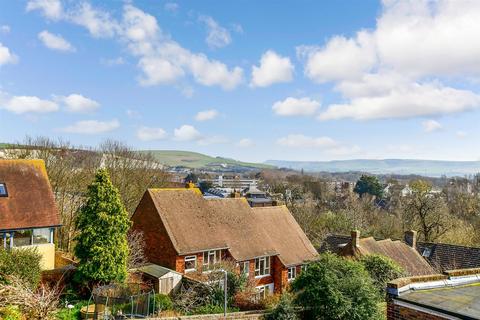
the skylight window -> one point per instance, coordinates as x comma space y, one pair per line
3, 190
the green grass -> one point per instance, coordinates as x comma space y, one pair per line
197, 160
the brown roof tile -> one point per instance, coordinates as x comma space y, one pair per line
290, 241
195, 224
30, 202
406, 257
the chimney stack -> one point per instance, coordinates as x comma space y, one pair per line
411, 238
355, 238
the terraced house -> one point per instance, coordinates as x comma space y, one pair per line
190, 234
28, 215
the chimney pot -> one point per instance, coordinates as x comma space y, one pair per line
355, 238
411, 238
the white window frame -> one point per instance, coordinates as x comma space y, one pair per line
291, 273
213, 257
245, 267
264, 291
189, 259
265, 271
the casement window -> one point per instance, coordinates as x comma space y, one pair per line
263, 292
262, 266
190, 263
3, 190
292, 273
211, 258
304, 267
28, 237
244, 267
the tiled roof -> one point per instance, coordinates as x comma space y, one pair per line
444, 256
30, 202
195, 224
401, 253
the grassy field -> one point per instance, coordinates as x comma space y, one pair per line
198, 160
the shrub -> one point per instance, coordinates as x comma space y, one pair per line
163, 302
73, 314
10, 313
23, 264
213, 309
336, 288
382, 270
284, 310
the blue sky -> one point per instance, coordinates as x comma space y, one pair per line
251, 80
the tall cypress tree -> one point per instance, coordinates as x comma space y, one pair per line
102, 248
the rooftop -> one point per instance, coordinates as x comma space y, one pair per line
28, 200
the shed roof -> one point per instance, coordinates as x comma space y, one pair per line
30, 202
195, 224
155, 270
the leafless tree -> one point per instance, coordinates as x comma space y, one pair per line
35, 304
136, 247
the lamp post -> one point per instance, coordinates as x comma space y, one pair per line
225, 278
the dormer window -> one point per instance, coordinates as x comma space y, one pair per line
3, 190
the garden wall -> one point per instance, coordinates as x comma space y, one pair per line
249, 315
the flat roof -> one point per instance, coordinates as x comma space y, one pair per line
458, 301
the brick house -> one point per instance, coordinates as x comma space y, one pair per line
187, 233
28, 214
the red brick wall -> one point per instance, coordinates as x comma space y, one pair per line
397, 312
159, 248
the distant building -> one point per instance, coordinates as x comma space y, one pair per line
190, 235
28, 214
256, 197
233, 182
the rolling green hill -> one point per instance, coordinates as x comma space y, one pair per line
196, 160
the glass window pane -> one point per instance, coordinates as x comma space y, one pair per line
22, 238
41, 236
3, 190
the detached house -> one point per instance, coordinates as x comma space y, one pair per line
28, 215
187, 233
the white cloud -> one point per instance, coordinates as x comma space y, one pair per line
339, 59
27, 104
295, 107
400, 69
99, 23
187, 133
206, 115
161, 59
51, 9
237, 28
372, 99
55, 41
78, 103
92, 127
150, 134
133, 114
217, 36
302, 141
245, 143
461, 134
6, 56
5, 29
273, 69
431, 125
171, 7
